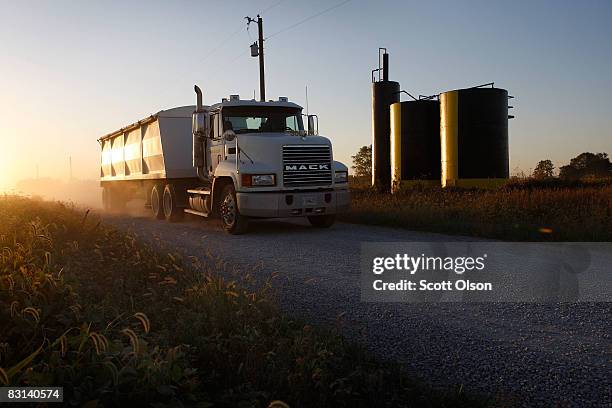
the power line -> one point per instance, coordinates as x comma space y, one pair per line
271, 7
230, 36
249, 33
233, 34
222, 43
220, 67
308, 18
237, 57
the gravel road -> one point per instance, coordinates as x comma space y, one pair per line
530, 354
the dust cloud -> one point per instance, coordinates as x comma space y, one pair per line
84, 193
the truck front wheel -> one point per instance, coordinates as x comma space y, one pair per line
233, 222
322, 221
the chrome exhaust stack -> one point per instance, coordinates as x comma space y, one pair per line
199, 126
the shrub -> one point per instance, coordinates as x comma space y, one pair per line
117, 322
523, 210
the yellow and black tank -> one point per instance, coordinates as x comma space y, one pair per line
474, 137
415, 143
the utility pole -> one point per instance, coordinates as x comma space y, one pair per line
262, 81
70, 165
257, 49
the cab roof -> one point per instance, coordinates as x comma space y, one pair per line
253, 102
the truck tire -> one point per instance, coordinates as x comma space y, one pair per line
171, 211
322, 221
157, 203
233, 222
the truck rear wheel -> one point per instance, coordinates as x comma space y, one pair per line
157, 204
322, 221
172, 212
233, 222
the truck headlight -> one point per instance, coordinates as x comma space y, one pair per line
341, 177
258, 180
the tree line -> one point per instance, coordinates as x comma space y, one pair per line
585, 165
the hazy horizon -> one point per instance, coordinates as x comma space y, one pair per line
74, 71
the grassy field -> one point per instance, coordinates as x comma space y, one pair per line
522, 211
116, 322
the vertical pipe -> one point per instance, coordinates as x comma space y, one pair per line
385, 67
262, 83
449, 134
396, 146
198, 141
198, 92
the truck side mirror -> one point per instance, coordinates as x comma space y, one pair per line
199, 124
313, 124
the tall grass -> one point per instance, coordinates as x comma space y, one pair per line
116, 322
523, 210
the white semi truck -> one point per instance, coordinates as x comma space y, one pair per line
238, 159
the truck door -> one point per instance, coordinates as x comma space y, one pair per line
217, 148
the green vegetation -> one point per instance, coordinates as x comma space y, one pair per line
585, 165
524, 210
544, 170
117, 322
362, 162
576, 206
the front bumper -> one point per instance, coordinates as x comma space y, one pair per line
292, 204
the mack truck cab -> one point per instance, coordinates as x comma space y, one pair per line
256, 160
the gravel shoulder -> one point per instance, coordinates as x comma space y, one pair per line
528, 354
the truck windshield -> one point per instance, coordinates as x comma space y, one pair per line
252, 119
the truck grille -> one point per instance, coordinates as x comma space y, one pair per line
307, 165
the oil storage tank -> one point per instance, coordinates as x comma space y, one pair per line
474, 137
415, 143
384, 93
